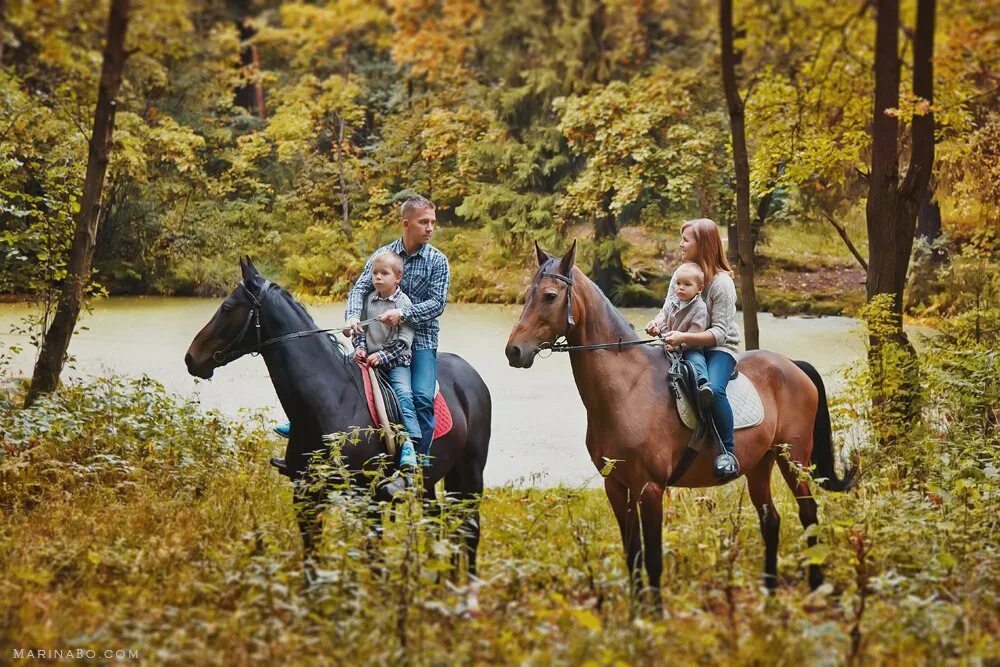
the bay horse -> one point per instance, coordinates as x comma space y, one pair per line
320, 390
632, 418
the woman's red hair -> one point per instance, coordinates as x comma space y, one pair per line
711, 256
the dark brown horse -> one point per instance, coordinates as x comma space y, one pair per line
320, 390
632, 417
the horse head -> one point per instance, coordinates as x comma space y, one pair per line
548, 308
233, 329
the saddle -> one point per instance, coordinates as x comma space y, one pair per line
748, 410
383, 407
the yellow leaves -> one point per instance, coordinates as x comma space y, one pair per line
587, 619
39, 576
434, 38
816, 554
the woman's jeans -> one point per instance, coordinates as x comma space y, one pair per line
718, 367
400, 379
424, 371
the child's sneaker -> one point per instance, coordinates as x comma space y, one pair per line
407, 456
284, 430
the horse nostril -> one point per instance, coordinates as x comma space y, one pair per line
513, 354
188, 359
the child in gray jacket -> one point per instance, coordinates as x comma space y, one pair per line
684, 309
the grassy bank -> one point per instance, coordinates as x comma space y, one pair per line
133, 520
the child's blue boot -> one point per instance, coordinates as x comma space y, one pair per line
407, 456
284, 430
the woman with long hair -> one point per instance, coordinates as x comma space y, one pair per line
713, 351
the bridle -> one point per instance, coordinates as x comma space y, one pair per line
570, 323
253, 316
228, 353
569, 297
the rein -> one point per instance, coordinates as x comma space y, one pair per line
227, 354
562, 347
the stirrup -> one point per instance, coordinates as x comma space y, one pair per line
727, 466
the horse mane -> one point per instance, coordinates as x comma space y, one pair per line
310, 323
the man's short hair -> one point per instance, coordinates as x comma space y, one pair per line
394, 261
415, 203
692, 269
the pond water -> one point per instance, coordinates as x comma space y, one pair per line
538, 419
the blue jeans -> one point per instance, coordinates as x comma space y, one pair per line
399, 378
717, 366
424, 370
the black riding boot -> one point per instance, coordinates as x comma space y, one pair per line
726, 465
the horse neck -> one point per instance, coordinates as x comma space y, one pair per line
308, 373
597, 320
599, 374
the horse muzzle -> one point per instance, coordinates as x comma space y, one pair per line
521, 356
203, 371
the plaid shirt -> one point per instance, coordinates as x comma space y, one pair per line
426, 279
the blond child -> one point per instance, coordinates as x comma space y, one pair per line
683, 310
389, 347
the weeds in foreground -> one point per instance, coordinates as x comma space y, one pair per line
134, 520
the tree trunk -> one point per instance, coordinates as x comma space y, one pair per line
345, 200
737, 123
251, 96
929, 225
3, 26
763, 210
893, 205
53, 353
608, 271
733, 247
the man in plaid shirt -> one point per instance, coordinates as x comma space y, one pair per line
426, 279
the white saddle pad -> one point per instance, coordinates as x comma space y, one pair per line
748, 410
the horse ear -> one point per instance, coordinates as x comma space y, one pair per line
249, 271
568, 261
542, 255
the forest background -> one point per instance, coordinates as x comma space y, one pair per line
132, 518
291, 131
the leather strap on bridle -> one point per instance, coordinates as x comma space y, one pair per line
253, 315
569, 296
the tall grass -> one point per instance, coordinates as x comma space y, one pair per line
134, 520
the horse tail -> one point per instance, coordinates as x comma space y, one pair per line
822, 454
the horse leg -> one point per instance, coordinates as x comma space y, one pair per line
759, 483
651, 517
373, 516
626, 512
807, 514
308, 513
464, 484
